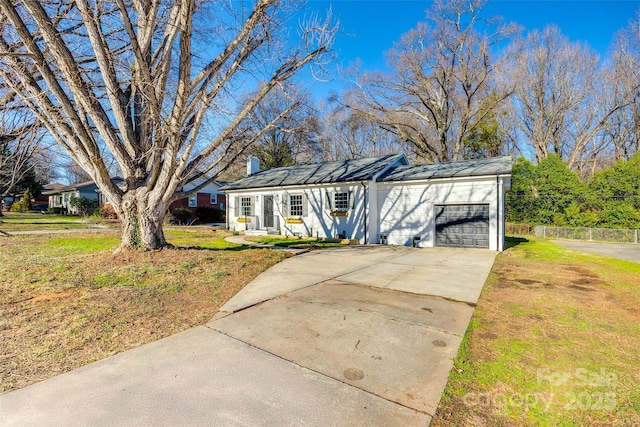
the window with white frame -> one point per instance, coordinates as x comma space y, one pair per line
341, 201
296, 205
214, 199
245, 206
193, 201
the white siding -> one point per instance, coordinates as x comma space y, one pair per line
318, 221
401, 211
406, 210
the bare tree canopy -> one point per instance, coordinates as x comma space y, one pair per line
291, 138
138, 81
622, 129
20, 139
442, 77
347, 133
561, 101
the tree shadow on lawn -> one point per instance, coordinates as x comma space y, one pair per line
510, 241
201, 248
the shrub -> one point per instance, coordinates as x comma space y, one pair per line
84, 205
206, 214
181, 215
57, 210
17, 207
26, 201
107, 211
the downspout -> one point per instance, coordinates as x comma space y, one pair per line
226, 209
364, 210
498, 214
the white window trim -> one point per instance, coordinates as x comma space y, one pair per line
246, 208
213, 199
193, 201
303, 206
330, 203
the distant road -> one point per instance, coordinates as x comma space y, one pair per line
624, 251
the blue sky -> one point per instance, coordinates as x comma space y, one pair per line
372, 26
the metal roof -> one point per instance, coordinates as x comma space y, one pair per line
320, 173
495, 166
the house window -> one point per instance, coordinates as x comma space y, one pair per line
245, 206
214, 199
295, 205
341, 201
193, 200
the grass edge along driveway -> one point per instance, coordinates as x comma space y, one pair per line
69, 300
554, 340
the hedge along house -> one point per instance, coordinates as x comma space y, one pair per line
376, 200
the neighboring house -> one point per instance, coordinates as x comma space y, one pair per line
61, 197
42, 200
208, 197
377, 200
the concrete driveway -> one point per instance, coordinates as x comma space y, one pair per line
623, 251
347, 336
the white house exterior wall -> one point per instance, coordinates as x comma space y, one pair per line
318, 221
406, 209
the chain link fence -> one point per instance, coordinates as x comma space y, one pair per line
577, 233
597, 234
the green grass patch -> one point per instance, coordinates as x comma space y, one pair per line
294, 241
86, 243
200, 237
37, 218
554, 341
17, 222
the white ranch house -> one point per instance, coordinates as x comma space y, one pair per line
376, 200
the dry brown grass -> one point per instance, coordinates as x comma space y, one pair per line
550, 313
67, 301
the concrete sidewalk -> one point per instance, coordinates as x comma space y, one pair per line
348, 336
240, 240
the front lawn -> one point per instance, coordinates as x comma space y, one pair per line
11, 221
68, 300
554, 341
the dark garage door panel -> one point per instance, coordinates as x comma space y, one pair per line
462, 225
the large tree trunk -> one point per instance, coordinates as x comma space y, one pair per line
141, 222
130, 89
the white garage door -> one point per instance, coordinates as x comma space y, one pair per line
462, 225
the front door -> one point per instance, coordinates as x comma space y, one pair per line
267, 209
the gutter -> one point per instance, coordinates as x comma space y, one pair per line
498, 227
364, 213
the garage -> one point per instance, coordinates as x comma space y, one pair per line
462, 225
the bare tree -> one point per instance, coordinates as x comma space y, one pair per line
133, 81
347, 133
72, 172
561, 102
442, 73
623, 127
19, 147
291, 138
